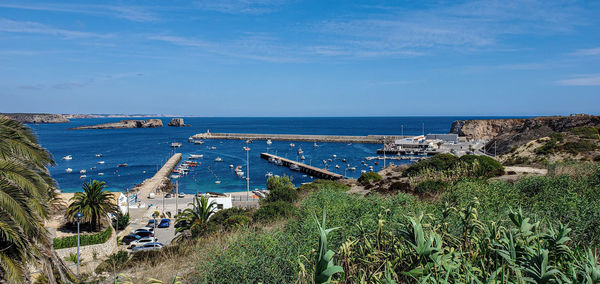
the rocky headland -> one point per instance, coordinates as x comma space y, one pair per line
36, 117
550, 138
149, 123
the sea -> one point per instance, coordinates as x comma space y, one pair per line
145, 150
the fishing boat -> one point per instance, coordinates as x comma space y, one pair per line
98, 155
67, 157
269, 142
82, 176
100, 174
278, 162
315, 145
334, 156
82, 172
302, 158
198, 142
268, 174
239, 173
362, 171
330, 160
337, 166
343, 160
300, 152
376, 163
352, 168
217, 181
294, 167
292, 145
175, 176
68, 170
213, 148
231, 166
175, 145
101, 162
218, 159
196, 156
122, 165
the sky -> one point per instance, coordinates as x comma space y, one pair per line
301, 58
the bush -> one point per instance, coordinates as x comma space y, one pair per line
120, 221
430, 186
230, 217
487, 166
85, 240
116, 260
547, 148
578, 147
438, 162
587, 132
273, 210
237, 220
321, 183
368, 177
280, 189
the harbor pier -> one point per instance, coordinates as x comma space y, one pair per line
369, 139
309, 170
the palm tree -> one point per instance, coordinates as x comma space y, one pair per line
195, 219
26, 194
94, 203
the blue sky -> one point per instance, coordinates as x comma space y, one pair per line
300, 58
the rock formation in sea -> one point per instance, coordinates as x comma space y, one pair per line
36, 117
177, 122
504, 134
149, 123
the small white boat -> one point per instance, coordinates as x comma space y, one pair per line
302, 158
218, 159
330, 160
352, 168
315, 145
362, 171
292, 145
175, 176
269, 142
239, 173
175, 145
82, 172
98, 155
196, 156
82, 176
269, 174
217, 181
294, 167
300, 152
337, 166
67, 157
231, 166
100, 174
213, 148
68, 170
143, 172
198, 142
334, 156
100, 162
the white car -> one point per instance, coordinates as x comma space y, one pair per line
148, 246
147, 229
142, 242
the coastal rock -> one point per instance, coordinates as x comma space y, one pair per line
149, 123
177, 122
36, 117
504, 134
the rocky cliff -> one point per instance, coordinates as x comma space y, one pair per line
36, 117
149, 123
504, 134
177, 122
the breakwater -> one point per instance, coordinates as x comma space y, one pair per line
310, 170
368, 139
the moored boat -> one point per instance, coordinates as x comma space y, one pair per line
68, 170
67, 157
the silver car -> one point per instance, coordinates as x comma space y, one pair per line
148, 246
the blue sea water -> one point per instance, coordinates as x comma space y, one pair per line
146, 149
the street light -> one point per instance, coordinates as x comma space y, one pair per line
78, 217
247, 149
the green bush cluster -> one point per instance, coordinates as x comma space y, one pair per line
120, 221
115, 260
85, 240
320, 183
547, 148
576, 147
479, 166
438, 162
231, 217
431, 186
587, 132
368, 177
273, 210
278, 202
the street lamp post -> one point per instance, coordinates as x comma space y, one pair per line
78, 217
247, 149
154, 215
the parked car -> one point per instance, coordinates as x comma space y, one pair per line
130, 238
151, 223
181, 195
180, 223
148, 246
142, 241
149, 229
145, 234
168, 195
164, 223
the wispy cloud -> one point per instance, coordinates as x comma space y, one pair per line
75, 84
581, 80
587, 52
11, 26
255, 7
131, 13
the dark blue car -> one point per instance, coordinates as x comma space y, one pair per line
164, 223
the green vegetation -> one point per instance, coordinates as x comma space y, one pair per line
231, 218
120, 221
465, 166
85, 240
475, 231
27, 197
273, 210
547, 148
431, 186
94, 203
280, 189
195, 219
73, 258
577, 147
369, 177
438, 162
586, 132
321, 183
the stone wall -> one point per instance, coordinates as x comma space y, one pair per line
87, 252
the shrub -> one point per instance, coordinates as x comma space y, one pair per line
273, 210
368, 177
228, 218
320, 183
237, 220
85, 240
120, 221
578, 147
547, 148
430, 186
587, 132
486, 166
280, 189
437, 162
115, 260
